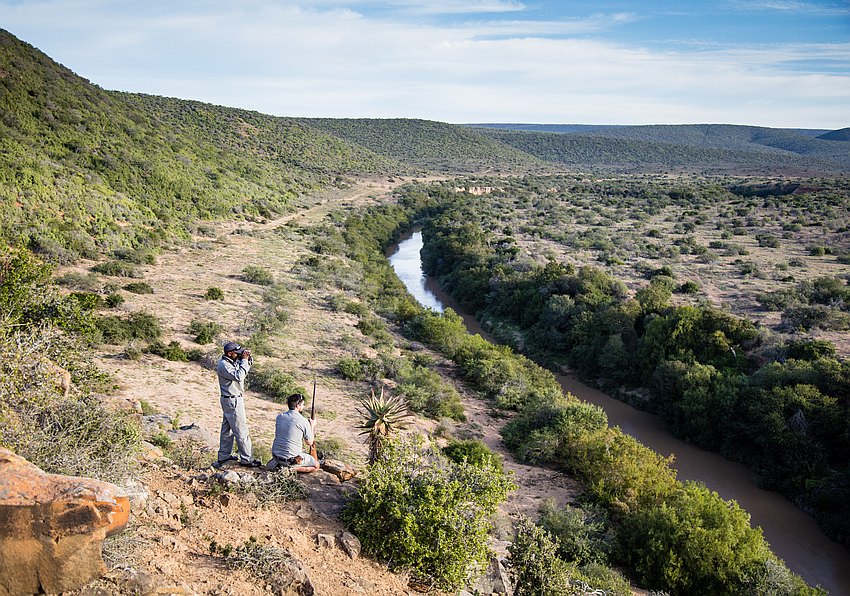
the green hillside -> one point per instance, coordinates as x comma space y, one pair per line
427, 143
85, 171
621, 153
749, 146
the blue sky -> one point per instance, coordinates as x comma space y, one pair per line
783, 63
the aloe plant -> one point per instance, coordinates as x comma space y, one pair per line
383, 416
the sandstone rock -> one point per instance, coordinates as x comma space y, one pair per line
150, 452
350, 544
339, 469
52, 527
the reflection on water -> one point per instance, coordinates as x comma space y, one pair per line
793, 535
407, 264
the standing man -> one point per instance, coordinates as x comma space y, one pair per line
290, 429
232, 369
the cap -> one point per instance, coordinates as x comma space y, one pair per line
232, 346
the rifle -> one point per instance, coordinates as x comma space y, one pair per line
313, 451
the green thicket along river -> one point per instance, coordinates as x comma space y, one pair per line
793, 535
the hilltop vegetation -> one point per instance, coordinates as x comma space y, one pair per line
721, 149
428, 144
85, 171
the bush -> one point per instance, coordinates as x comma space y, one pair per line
273, 382
700, 544
426, 392
113, 300
534, 564
137, 325
257, 275
419, 510
173, 351
78, 435
581, 534
139, 287
204, 331
351, 369
474, 452
689, 287
214, 293
116, 269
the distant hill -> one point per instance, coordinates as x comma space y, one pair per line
749, 146
426, 143
83, 170
842, 134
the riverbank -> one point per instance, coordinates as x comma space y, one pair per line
792, 534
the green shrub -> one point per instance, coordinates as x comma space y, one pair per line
204, 331
427, 393
160, 439
474, 452
139, 287
582, 535
214, 293
116, 269
689, 287
173, 351
113, 300
421, 511
700, 544
137, 325
351, 369
78, 435
534, 564
812, 349
87, 300
257, 275
273, 382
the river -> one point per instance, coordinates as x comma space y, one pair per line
793, 535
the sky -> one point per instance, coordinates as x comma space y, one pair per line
777, 63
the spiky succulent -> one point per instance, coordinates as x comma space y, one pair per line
383, 416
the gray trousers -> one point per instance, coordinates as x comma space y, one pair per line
234, 424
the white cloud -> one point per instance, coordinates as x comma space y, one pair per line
334, 59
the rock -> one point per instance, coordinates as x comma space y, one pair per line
150, 452
292, 578
339, 469
304, 512
350, 544
155, 423
326, 540
193, 434
52, 527
231, 477
136, 492
495, 579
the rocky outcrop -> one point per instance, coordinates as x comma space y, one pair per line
52, 527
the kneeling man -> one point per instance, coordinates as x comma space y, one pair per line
292, 429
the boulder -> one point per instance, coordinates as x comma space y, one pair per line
494, 580
52, 527
350, 544
339, 469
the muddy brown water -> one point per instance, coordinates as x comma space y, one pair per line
793, 535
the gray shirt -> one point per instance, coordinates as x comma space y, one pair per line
231, 376
290, 430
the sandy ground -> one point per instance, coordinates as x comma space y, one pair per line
314, 339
